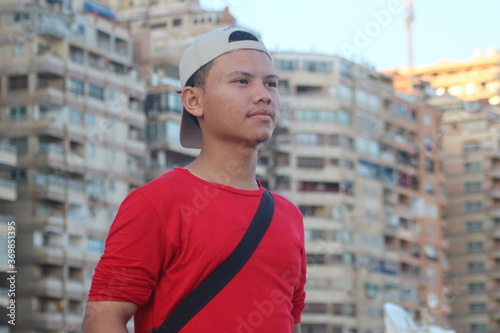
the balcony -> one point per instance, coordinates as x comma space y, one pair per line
493, 192
494, 251
51, 321
48, 255
137, 175
50, 62
60, 189
494, 172
494, 293
75, 288
8, 190
74, 256
52, 152
8, 155
135, 116
51, 218
47, 286
494, 211
135, 145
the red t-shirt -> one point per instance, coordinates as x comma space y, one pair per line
172, 232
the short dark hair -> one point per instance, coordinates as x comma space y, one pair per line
199, 77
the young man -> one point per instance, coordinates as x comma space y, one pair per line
171, 233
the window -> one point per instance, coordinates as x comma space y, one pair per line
90, 150
310, 162
429, 165
476, 266
308, 139
18, 83
367, 99
367, 123
330, 116
346, 69
478, 328
21, 145
76, 54
314, 234
318, 66
160, 25
348, 164
17, 113
429, 188
473, 206
428, 142
76, 87
472, 187
471, 146
91, 120
344, 93
96, 92
313, 328
472, 166
474, 225
475, 247
476, 287
477, 308
18, 49
177, 22
21, 16
371, 290
80, 30
76, 117
19, 176
427, 120
367, 147
286, 65
95, 245
317, 259
315, 308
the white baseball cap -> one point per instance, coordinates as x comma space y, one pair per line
200, 52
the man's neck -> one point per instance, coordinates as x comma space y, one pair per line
232, 167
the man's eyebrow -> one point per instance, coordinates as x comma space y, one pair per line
246, 74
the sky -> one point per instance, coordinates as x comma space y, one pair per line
371, 32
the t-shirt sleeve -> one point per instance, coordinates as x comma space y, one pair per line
299, 294
134, 255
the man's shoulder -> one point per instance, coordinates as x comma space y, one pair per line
285, 203
171, 182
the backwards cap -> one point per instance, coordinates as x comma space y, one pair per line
203, 50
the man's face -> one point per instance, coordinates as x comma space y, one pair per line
240, 100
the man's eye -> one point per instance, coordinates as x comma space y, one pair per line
243, 81
272, 84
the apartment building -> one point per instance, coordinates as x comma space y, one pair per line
477, 78
471, 143
162, 30
71, 103
8, 194
363, 164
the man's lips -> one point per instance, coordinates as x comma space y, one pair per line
261, 113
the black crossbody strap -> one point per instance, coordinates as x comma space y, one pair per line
220, 276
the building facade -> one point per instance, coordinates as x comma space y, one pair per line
473, 79
472, 163
71, 103
363, 164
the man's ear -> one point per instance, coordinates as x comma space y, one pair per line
192, 100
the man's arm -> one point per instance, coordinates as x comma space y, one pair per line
296, 328
108, 316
